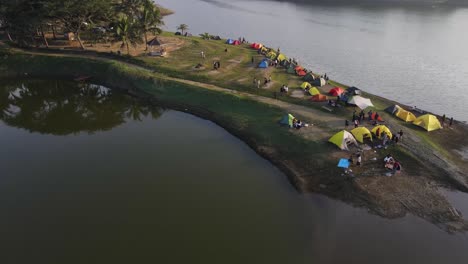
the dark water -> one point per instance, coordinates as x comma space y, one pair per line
88, 175
415, 55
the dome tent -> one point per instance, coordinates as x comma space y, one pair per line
263, 64
360, 133
428, 122
342, 139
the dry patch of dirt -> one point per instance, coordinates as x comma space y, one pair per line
297, 94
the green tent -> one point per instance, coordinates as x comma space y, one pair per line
291, 69
314, 91
287, 120
309, 77
342, 139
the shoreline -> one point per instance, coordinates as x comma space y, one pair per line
152, 86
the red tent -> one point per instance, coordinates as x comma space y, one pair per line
301, 73
378, 119
298, 68
337, 91
256, 46
236, 42
318, 98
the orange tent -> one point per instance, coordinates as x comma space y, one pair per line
318, 98
298, 68
378, 119
301, 73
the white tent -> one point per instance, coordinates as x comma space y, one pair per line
361, 102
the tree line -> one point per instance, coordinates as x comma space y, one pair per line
128, 21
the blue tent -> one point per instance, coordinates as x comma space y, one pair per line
229, 41
263, 64
343, 163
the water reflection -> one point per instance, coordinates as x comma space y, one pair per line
62, 108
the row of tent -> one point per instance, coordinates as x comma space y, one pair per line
344, 138
271, 54
428, 122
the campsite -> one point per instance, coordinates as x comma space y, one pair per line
231, 96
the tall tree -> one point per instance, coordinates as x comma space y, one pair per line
78, 15
23, 19
129, 32
150, 19
182, 27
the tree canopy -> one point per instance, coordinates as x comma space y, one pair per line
24, 21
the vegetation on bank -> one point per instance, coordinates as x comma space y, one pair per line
128, 21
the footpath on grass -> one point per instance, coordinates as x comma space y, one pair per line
226, 98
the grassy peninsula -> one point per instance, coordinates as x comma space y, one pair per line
184, 79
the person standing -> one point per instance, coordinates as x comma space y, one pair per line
346, 123
401, 134
356, 123
258, 84
255, 81
451, 122
443, 120
384, 139
359, 160
202, 53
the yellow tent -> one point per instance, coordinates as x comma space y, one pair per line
305, 85
281, 57
428, 122
360, 133
382, 129
314, 91
342, 139
271, 55
405, 115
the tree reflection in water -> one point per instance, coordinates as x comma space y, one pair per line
62, 108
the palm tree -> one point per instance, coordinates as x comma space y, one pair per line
150, 20
128, 32
205, 35
182, 27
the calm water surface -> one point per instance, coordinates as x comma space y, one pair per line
417, 56
88, 175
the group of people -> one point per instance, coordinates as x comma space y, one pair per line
443, 121
357, 119
391, 164
242, 40
257, 82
